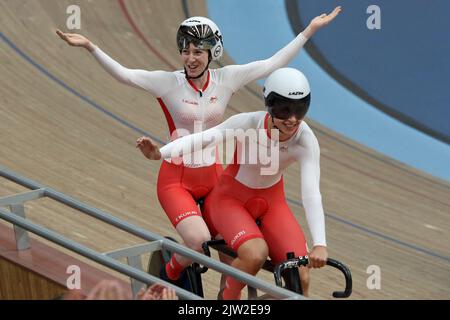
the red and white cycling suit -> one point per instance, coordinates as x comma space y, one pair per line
184, 105
244, 195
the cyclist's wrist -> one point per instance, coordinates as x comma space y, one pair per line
90, 47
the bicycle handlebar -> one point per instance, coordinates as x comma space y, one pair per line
348, 278
303, 261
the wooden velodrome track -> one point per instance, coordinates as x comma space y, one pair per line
379, 212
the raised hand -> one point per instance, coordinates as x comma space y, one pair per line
324, 19
108, 290
169, 294
148, 148
157, 292
75, 40
320, 21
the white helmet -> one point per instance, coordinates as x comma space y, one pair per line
203, 33
287, 93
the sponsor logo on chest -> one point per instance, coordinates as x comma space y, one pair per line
192, 102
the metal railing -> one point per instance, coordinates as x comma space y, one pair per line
134, 270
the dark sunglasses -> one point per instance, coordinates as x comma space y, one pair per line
283, 108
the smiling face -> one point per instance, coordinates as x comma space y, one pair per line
288, 127
194, 60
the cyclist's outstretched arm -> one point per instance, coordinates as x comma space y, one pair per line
156, 82
240, 75
197, 141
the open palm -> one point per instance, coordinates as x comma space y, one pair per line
148, 148
73, 39
324, 19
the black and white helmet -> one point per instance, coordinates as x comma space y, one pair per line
203, 33
287, 93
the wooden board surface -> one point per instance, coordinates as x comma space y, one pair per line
379, 212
